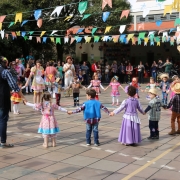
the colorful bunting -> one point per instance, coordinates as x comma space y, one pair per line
141, 35
130, 36
134, 40
66, 39
80, 30
78, 39
105, 16
115, 38
18, 33
85, 16
124, 13
37, 13
146, 41
7, 36
72, 40
31, 32
122, 37
68, 18
52, 39
58, 40
2, 34
0, 26
38, 39
106, 2
54, 31
30, 37
108, 28
152, 43
39, 23
151, 32
158, 22
93, 31
25, 38
44, 39
122, 28
158, 43
167, 9
82, 7
13, 34
177, 22
24, 22
139, 41
18, 17
87, 39
96, 38
57, 10
2, 18
11, 24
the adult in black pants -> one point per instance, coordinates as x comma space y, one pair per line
6, 82
121, 72
140, 72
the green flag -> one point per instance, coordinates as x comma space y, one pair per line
12, 23
163, 39
139, 41
31, 32
157, 39
96, 38
82, 7
151, 37
25, 38
177, 22
58, 40
93, 30
141, 35
85, 16
172, 43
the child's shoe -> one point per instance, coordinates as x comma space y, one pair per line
88, 144
173, 132
96, 145
156, 137
178, 132
117, 104
112, 104
150, 137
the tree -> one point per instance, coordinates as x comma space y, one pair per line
57, 23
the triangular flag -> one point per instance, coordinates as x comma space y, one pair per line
82, 7
18, 33
11, 24
39, 23
52, 39
152, 43
66, 39
87, 39
105, 38
7, 35
24, 22
37, 13
93, 30
85, 16
158, 22
68, 18
96, 38
151, 37
108, 28
139, 41
172, 43
54, 31
57, 10
124, 13
122, 28
163, 39
115, 38
167, 9
2, 18
25, 38
80, 30
122, 37
31, 32
177, 22
105, 2
141, 35
158, 43
105, 16
72, 40
0, 26
130, 36
23, 33
141, 26
165, 34
30, 37
78, 39
145, 12
18, 17
2, 34
38, 39
42, 33
58, 40
172, 29
151, 32
146, 41
13, 34
44, 39
157, 39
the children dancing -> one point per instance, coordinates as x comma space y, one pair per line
115, 90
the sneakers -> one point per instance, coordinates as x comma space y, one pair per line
96, 145
88, 144
173, 132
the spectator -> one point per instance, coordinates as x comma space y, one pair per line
154, 71
60, 69
129, 71
107, 69
168, 66
114, 68
30, 56
22, 60
85, 71
140, 72
121, 71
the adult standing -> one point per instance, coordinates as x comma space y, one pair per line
107, 69
22, 60
94, 67
85, 71
168, 66
102, 69
114, 68
160, 66
60, 69
121, 70
140, 72
154, 71
129, 72
6, 82
69, 71
30, 56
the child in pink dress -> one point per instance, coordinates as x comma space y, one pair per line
96, 84
115, 89
48, 126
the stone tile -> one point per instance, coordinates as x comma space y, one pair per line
16, 148
113, 146
61, 169
55, 156
67, 178
129, 169
3, 164
96, 153
165, 175
35, 163
88, 173
173, 165
115, 176
33, 152
13, 172
13, 158
40, 175
73, 150
2, 153
107, 165
80, 160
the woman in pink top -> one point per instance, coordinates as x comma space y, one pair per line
50, 74
115, 89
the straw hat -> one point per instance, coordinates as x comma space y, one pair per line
58, 79
153, 91
164, 75
176, 87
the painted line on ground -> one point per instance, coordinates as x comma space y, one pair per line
151, 162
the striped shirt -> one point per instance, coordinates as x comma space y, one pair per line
175, 103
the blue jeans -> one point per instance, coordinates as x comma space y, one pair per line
107, 77
4, 116
164, 98
154, 76
89, 129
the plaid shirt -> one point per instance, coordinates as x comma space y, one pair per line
154, 108
94, 120
6, 75
175, 103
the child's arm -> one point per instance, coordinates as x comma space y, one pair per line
107, 87
140, 109
122, 88
119, 109
81, 108
29, 104
102, 86
62, 109
89, 85
105, 109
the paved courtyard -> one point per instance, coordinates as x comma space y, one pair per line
73, 160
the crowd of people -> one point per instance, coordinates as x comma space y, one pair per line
51, 79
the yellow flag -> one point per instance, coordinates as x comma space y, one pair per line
167, 9
18, 33
146, 40
18, 17
115, 38
52, 39
67, 18
107, 29
130, 36
158, 43
42, 33
0, 26
88, 39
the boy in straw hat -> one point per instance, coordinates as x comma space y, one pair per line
154, 108
165, 87
175, 104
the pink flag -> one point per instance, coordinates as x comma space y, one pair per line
105, 2
38, 39
13, 34
7, 35
2, 18
39, 23
177, 33
172, 39
141, 26
124, 13
72, 40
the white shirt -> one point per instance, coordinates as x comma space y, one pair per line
69, 72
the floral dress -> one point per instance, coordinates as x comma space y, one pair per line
96, 84
115, 90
